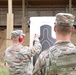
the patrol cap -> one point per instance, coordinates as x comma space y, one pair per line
16, 33
65, 19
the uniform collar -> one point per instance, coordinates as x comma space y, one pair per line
17, 44
62, 41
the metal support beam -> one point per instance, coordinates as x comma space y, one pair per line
47, 6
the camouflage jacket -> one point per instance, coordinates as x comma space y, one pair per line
18, 58
46, 64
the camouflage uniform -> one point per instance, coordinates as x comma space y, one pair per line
18, 58
59, 59
44, 62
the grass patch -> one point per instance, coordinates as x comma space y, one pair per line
3, 70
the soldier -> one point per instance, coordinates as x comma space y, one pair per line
60, 59
18, 57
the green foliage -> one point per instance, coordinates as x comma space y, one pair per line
3, 70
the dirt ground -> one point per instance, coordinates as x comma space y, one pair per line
26, 41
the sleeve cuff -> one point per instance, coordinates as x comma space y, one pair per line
36, 39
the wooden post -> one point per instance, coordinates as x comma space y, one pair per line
70, 6
9, 24
24, 18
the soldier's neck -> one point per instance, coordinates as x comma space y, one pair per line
16, 42
61, 37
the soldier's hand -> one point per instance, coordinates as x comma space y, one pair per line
36, 36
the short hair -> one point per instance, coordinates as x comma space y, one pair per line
64, 30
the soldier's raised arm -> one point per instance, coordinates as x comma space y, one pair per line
35, 49
37, 45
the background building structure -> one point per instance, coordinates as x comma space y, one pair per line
15, 14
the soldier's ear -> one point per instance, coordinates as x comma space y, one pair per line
54, 28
